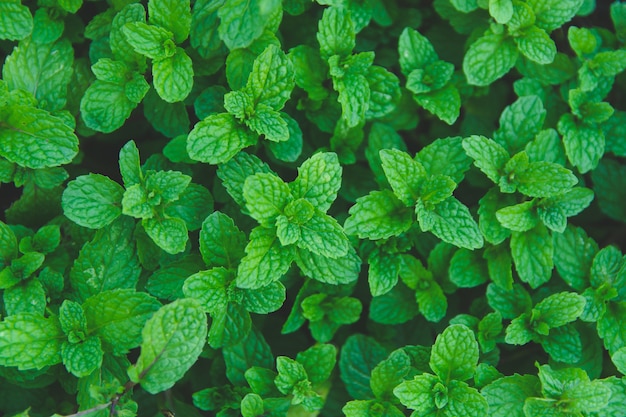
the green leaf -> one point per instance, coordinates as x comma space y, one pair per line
551, 14
560, 308
383, 272
506, 396
520, 217
359, 408
574, 253
290, 373
489, 156
121, 49
520, 122
130, 164
218, 138
42, 69
33, 138
8, 245
108, 261
398, 306
336, 34
266, 196
452, 222
354, 96
319, 180
92, 201
221, 241
269, 123
266, 260
445, 103
16, 22
455, 353
81, 359
252, 405
378, 215
173, 76
162, 11
25, 297
405, 175
203, 34
149, 40
465, 400
322, 235
264, 300
209, 288
536, 45
431, 301
501, 10
359, 356
612, 328
272, 78
170, 234
318, 362
30, 341
105, 107
418, 394
390, 373
167, 184
584, 144
532, 253
251, 351
385, 92
608, 180
343, 270
467, 269
172, 340
118, 316
415, 51
241, 22
167, 282
510, 303
489, 58
229, 326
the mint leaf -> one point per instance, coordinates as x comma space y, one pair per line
336, 34
584, 143
322, 235
266, 196
92, 201
43, 69
272, 78
170, 234
81, 359
319, 180
489, 58
417, 394
532, 253
318, 362
390, 373
383, 272
221, 242
209, 288
560, 308
343, 270
415, 51
455, 353
452, 222
266, 260
162, 11
489, 156
607, 180
16, 22
34, 138
574, 253
30, 341
269, 123
405, 175
173, 76
378, 215
106, 262
537, 45
105, 106
552, 14
117, 317
520, 122
359, 356
172, 340
243, 22
467, 270
506, 396
229, 326
217, 139
520, 217
149, 40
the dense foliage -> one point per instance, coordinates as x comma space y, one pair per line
295, 208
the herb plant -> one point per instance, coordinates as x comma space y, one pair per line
293, 208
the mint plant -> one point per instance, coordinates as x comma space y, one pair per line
294, 208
